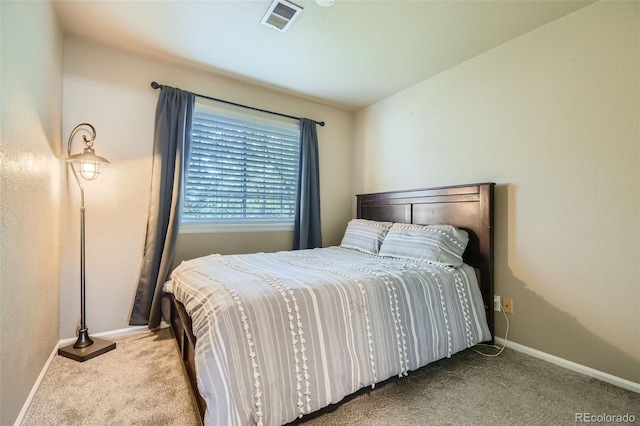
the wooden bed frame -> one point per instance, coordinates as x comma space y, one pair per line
469, 207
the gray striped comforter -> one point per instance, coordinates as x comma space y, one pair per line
283, 334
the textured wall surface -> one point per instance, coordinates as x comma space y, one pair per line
553, 118
30, 201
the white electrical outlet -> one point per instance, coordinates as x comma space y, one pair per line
497, 304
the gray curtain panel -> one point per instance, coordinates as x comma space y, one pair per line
306, 233
172, 140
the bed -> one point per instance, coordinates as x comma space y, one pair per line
275, 337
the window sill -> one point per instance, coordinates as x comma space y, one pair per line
213, 228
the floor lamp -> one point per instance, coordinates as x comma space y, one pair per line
86, 164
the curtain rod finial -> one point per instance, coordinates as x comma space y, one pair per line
156, 85
321, 124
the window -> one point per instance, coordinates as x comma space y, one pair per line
243, 170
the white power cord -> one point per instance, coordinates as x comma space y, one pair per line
506, 334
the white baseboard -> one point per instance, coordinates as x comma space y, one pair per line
128, 331
36, 385
570, 365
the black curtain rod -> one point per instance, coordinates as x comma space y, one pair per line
159, 86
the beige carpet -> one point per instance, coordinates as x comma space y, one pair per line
142, 383
469, 389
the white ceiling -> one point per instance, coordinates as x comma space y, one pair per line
349, 55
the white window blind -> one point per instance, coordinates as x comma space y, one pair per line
242, 169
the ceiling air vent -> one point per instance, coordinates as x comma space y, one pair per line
281, 14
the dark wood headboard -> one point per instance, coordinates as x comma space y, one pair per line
469, 207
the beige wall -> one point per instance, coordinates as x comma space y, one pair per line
111, 89
30, 166
553, 118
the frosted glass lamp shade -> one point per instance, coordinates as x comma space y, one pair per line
87, 163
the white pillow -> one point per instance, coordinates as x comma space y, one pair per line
365, 235
438, 244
